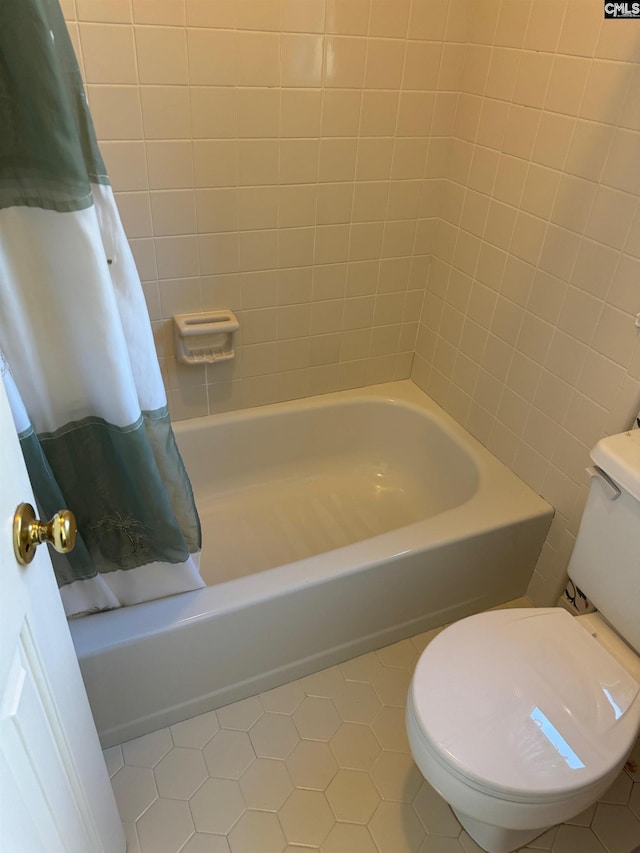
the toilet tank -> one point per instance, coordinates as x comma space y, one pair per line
605, 563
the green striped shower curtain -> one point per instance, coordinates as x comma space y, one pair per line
78, 360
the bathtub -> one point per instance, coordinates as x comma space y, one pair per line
332, 526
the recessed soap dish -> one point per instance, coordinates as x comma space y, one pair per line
205, 338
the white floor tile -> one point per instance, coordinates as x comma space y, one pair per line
363, 668
544, 841
274, 736
322, 764
352, 796
576, 839
469, 845
617, 827
392, 686
217, 806
316, 719
395, 827
241, 715
404, 655
357, 702
201, 843
165, 827
435, 814
283, 700
311, 765
634, 800
257, 831
228, 754
396, 777
266, 785
438, 844
619, 792
324, 684
585, 818
131, 836
113, 759
355, 746
306, 818
196, 732
146, 751
180, 773
135, 790
390, 729
348, 838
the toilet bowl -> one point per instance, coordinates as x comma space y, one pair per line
522, 718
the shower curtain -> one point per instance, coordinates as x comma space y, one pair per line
78, 357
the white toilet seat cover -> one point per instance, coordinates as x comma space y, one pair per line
537, 707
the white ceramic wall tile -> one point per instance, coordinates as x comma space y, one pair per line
562, 199
161, 54
100, 43
110, 11
285, 140
166, 12
166, 112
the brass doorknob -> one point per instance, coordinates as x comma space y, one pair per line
29, 532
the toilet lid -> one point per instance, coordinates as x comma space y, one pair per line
525, 704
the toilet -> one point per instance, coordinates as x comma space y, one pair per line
522, 718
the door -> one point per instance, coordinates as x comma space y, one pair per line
55, 794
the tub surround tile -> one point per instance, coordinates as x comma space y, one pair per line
483, 139
99, 44
256, 108
112, 11
540, 144
290, 770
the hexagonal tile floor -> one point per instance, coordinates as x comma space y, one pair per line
323, 764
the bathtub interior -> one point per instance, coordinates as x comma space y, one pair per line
287, 484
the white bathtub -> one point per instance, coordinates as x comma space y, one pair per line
332, 526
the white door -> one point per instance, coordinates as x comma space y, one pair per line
55, 795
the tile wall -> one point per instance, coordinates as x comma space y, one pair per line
527, 333
308, 163
269, 156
